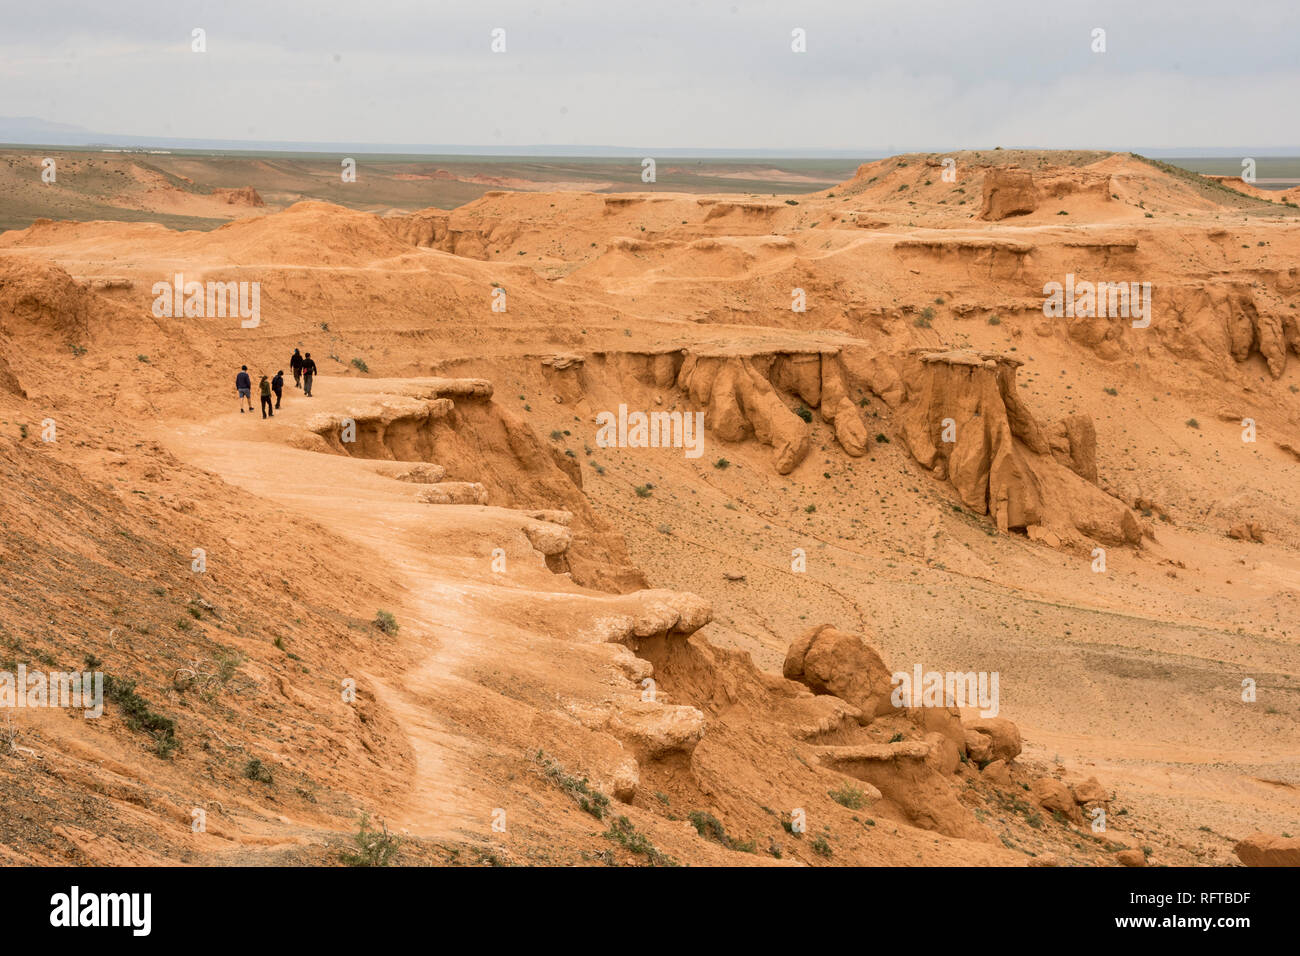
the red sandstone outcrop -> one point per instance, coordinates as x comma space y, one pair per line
962, 419
829, 661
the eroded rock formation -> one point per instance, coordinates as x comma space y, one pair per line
962, 419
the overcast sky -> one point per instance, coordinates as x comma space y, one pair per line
669, 73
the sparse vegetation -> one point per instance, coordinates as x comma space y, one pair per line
257, 771
622, 832
711, 828
137, 713
386, 623
847, 795
591, 801
374, 847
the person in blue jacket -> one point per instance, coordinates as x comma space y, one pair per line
244, 389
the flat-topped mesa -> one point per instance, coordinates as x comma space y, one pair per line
962, 418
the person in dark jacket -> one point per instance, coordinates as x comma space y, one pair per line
308, 373
277, 386
295, 364
244, 389
264, 389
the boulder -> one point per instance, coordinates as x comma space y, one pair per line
1053, 795
997, 772
940, 720
944, 756
829, 661
549, 539
979, 746
1089, 791
1268, 849
1247, 531
1131, 858
1004, 734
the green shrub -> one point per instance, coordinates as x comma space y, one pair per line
711, 828
386, 622
591, 801
622, 832
257, 771
374, 847
849, 796
135, 709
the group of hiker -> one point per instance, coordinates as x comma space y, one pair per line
304, 371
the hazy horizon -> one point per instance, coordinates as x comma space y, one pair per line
671, 78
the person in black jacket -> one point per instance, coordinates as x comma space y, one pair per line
277, 386
244, 389
295, 364
308, 373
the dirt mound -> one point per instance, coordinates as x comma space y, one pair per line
306, 232
36, 296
